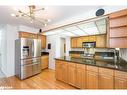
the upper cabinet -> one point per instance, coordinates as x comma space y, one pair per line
101, 41
27, 35
43, 41
118, 29
34, 36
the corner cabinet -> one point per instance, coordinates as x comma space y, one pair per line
118, 29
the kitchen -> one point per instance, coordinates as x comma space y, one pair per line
85, 54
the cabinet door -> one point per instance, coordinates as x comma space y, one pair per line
79, 42
43, 41
101, 41
64, 72
72, 74
120, 83
73, 42
92, 38
44, 62
106, 81
58, 70
85, 39
80, 78
91, 80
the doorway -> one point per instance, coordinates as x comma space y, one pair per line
62, 47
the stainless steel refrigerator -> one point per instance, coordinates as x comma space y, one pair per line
27, 57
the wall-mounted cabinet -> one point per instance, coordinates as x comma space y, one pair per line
101, 41
43, 41
27, 35
118, 29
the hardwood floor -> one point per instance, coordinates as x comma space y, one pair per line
44, 80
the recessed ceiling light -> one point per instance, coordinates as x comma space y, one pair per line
45, 24
13, 15
49, 20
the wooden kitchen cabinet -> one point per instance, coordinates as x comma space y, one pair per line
92, 39
61, 72
79, 42
74, 42
117, 29
44, 61
120, 80
58, 70
81, 76
27, 35
92, 77
101, 41
106, 78
43, 41
72, 73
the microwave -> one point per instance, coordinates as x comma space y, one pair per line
89, 44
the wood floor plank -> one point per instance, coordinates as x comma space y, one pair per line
44, 80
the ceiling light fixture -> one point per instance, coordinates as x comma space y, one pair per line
31, 15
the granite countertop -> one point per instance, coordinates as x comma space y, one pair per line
105, 63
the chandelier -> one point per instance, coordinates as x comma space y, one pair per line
31, 15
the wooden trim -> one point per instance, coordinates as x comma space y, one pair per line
118, 14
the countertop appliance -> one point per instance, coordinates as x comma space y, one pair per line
27, 57
89, 49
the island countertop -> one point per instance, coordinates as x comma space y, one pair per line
105, 63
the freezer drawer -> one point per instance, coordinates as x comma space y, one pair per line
30, 70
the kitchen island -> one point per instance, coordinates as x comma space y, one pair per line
91, 73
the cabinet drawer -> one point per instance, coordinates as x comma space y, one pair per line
120, 74
116, 22
118, 32
92, 68
106, 71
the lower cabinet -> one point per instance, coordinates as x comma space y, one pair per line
80, 76
72, 74
120, 80
90, 77
106, 78
61, 72
44, 61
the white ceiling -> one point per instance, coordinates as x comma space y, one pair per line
55, 13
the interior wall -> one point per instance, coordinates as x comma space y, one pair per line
11, 34
3, 49
54, 52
